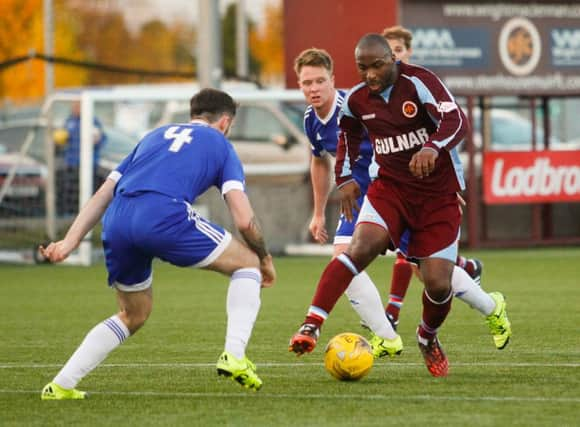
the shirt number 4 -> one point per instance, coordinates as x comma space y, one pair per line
179, 135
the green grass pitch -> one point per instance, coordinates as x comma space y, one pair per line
165, 375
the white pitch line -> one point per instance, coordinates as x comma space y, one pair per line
16, 365
359, 397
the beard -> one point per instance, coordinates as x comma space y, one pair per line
380, 83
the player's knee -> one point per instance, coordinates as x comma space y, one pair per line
255, 261
438, 288
236, 256
339, 249
363, 254
247, 259
135, 319
135, 323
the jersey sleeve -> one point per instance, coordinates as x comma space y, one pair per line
118, 172
348, 146
232, 176
316, 147
452, 124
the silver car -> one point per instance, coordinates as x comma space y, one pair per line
267, 136
24, 194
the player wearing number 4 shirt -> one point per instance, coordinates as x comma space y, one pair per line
149, 214
414, 125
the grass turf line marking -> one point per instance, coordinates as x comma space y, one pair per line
419, 397
286, 365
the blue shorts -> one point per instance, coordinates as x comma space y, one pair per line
345, 229
141, 227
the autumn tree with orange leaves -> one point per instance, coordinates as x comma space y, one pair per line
84, 32
97, 32
267, 45
21, 32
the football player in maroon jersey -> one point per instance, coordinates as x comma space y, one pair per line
400, 42
314, 69
414, 125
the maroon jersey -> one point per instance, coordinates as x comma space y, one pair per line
416, 111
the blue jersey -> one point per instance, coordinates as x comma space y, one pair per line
152, 215
73, 144
323, 136
180, 161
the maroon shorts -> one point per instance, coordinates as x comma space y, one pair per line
433, 222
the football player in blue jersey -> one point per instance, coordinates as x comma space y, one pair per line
314, 68
146, 205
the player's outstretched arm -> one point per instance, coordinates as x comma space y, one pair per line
89, 215
248, 226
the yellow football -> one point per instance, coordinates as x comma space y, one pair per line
60, 136
348, 357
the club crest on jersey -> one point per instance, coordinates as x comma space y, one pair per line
410, 109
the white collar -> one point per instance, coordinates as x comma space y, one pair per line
199, 122
326, 119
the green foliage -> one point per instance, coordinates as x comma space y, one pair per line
164, 375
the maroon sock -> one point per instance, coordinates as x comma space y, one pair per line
433, 316
334, 281
400, 280
469, 267
467, 264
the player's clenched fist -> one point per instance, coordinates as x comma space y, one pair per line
423, 162
56, 252
268, 271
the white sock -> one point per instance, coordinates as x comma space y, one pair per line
243, 304
470, 292
96, 346
366, 301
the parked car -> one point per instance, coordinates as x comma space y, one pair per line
267, 135
509, 132
512, 132
25, 194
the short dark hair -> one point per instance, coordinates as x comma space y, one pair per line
373, 39
211, 104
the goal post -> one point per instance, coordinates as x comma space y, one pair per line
110, 106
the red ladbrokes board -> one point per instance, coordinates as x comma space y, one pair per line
530, 177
